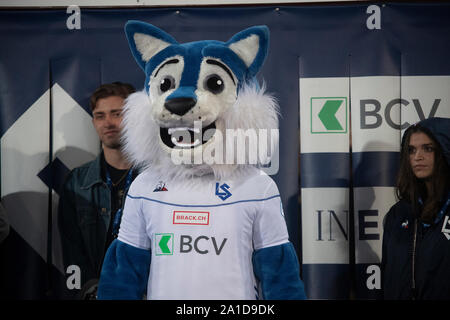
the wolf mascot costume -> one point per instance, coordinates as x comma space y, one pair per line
194, 229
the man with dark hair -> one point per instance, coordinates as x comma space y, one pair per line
93, 195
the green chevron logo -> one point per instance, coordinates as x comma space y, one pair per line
329, 115
163, 244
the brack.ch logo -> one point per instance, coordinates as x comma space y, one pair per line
191, 217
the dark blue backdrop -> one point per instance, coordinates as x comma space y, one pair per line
37, 50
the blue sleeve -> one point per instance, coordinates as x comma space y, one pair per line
277, 270
124, 273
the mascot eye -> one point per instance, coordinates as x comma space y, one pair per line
166, 84
214, 83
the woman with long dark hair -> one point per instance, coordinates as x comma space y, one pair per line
416, 238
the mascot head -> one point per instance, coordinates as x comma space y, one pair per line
200, 99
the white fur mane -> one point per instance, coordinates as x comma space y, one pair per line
253, 109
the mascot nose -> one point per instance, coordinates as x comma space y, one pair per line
180, 106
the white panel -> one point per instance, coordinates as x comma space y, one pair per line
323, 240
25, 149
371, 97
314, 94
24, 153
422, 93
75, 142
371, 206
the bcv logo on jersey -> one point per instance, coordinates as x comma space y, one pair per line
225, 193
164, 244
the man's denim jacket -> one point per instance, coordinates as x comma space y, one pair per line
84, 216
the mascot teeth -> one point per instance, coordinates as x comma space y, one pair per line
195, 130
185, 137
178, 137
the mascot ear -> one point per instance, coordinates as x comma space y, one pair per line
146, 40
251, 45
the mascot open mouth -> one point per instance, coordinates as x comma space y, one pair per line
184, 137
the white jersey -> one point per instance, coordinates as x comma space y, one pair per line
202, 236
